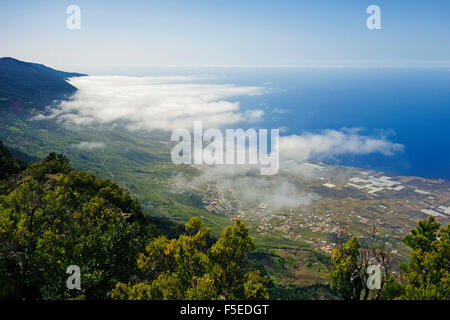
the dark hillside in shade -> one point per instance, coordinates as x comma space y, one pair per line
25, 86
8, 165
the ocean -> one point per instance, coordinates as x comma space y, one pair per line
410, 107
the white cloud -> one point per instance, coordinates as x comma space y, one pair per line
148, 103
89, 145
245, 184
330, 143
276, 194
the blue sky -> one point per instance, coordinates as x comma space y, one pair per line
244, 33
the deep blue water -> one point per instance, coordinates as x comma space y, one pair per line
411, 106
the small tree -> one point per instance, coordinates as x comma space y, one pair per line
428, 271
351, 261
425, 277
346, 276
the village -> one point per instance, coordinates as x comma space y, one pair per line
389, 209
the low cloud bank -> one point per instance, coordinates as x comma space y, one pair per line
89, 145
149, 103
275, 194
332, 143
246, 185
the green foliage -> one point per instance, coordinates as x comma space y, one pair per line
52, 216
55, 217
392, 289
425, 277
186, 268
8, 165
428, 272
229, 257
346, 278
254, 286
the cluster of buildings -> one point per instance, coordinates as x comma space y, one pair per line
318, 227
287, 223
215, 201
322, 245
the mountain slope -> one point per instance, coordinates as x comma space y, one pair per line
24, 85
8, 164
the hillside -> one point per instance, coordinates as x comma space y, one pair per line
8, 165
53, 217
24, 86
